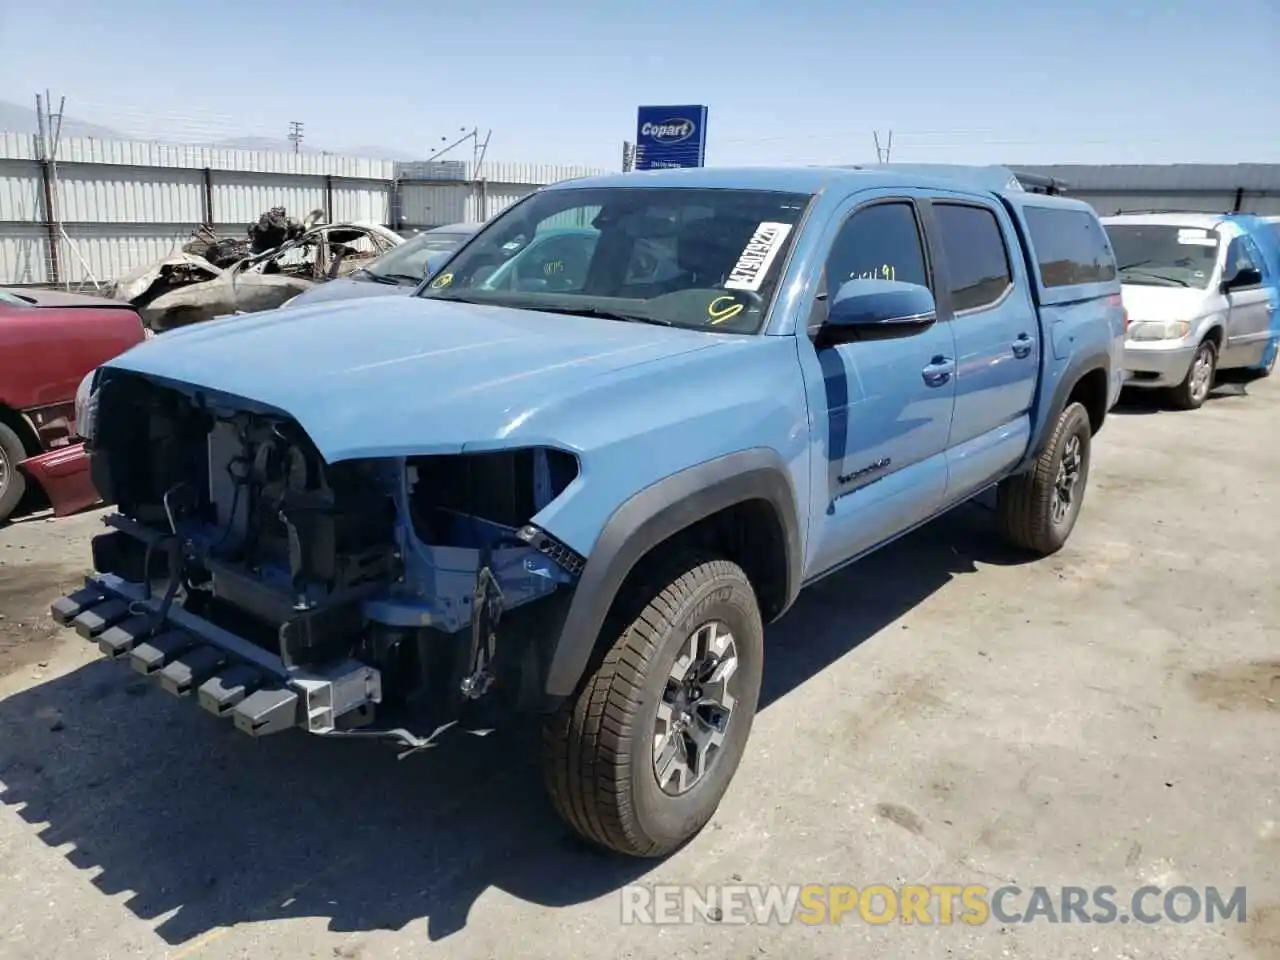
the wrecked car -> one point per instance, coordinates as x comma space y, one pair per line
186, 288
576, 492
49, 340
396, 272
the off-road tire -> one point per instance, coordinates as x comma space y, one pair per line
1025, 501
12, 483
1182, 397
597, 755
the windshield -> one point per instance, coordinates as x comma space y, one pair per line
689, 257
407, 263
1164, 255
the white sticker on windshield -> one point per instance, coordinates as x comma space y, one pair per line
1196, 237
758, 255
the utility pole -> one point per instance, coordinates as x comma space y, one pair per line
882, 155
295, 134
478, 151
628, 156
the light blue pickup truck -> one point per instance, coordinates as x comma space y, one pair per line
580, 485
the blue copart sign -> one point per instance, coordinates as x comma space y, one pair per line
669, 137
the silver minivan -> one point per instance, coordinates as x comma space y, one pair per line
1199, 300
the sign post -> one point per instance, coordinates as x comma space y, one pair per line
671, 137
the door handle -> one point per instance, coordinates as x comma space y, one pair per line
1022, 346
939, 371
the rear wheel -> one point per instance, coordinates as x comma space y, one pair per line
1038, 509
640, 758
1194, 389
12, 483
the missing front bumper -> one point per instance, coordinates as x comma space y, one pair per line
227, 675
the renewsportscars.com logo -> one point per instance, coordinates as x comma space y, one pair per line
938, 904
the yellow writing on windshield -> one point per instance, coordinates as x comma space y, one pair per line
723, 308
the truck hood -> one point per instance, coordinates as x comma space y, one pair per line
347, 288
1163, 303
398, 376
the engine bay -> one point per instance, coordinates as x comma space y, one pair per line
235, 516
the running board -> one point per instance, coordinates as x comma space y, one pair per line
229, 677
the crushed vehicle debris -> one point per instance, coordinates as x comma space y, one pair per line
279, 258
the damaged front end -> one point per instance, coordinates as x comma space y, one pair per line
359, 598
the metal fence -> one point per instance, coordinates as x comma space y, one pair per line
101, 208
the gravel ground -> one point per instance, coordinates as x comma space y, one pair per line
941, 713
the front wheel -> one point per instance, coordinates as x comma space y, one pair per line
1194, 389
639, 759
1038, 509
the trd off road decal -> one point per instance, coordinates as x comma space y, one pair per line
754, 262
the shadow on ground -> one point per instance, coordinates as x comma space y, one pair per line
202, 823
1229, 384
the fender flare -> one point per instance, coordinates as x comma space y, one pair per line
650, 517
1078, 368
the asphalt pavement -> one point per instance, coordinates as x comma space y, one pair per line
942, 713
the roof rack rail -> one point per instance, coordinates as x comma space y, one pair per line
1040, 183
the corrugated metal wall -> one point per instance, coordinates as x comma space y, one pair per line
121, 205
1200, 187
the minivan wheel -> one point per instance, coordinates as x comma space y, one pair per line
1194, 389
1038, 509
639, 759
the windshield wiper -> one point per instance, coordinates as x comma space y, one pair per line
375, 277
605, 314
1136, 263
1160, 276
397, 277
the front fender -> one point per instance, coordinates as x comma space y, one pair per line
650, 517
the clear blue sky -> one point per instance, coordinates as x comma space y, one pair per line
797, 81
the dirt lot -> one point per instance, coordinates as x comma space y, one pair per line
939, 714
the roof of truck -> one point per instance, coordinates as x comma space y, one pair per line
803, 179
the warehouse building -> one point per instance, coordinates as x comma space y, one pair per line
1205, 187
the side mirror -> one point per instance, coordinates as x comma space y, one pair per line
1248, 277
877, 310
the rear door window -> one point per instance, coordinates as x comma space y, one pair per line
977, 260
1070, 245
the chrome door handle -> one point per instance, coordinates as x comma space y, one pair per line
939, 371
1022, 346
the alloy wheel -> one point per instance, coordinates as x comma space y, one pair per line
696, 708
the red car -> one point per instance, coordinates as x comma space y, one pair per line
49, 341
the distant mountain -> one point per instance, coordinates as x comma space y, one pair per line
19, 119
